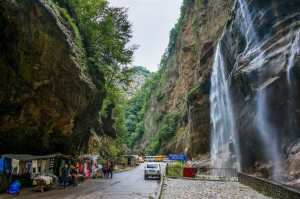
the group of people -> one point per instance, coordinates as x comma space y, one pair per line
66, 172
108, 169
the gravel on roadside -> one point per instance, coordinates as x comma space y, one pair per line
184, 188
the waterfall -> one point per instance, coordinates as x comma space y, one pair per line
268, 136
189, 107
224, 131
225, 150
293, 61
295, 53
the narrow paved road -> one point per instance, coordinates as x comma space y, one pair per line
129, 184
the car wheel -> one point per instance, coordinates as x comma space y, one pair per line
159, 177
146, 177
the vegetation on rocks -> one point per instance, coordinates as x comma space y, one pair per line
81, 54
136, 107
166, 130
106, 32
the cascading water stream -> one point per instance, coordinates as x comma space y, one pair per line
225, 150
189, 126
223, 123
295, 53
268, 135
293, 60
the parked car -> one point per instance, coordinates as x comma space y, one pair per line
152, 169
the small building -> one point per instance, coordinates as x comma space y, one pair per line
130, 160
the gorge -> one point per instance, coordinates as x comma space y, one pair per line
230, 80
226, 93
57, 90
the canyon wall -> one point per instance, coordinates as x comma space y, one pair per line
49, 99
260, 50
188, 69
256, 44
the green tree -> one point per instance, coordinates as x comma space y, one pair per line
106, 32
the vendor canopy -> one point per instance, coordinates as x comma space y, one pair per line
26, 157
89, 156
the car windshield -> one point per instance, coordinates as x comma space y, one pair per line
152, 166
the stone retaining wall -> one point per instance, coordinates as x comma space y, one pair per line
269, 188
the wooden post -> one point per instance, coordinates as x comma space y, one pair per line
181, 169
167, 170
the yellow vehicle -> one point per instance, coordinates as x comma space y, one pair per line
158, 158
140, 159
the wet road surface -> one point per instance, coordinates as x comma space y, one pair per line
128, 184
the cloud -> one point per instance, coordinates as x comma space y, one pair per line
152, 21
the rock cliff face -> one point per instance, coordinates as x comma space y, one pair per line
139, 77
256, 44
49, 102
202, 27
260, 51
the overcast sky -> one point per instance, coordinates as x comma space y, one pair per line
152, 21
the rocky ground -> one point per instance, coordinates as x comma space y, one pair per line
183, 188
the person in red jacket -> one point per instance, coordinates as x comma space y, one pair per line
108, 169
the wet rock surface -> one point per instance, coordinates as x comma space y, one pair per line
181, 188
260, 50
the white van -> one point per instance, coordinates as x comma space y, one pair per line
149, 158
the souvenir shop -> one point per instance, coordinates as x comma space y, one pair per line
43, 171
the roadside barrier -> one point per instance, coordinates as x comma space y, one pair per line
219, 174
269, 188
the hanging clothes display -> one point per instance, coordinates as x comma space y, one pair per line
51, 165
7, 165
80, 167
47, 164
1, 164
22, 167
34, 167
85, 167
39, 166
63, 163
15, 166
43, 170
87, 173
77, 167
29, 167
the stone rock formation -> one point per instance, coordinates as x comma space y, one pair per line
260, 50
49, 101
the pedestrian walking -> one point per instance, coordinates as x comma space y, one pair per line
74, 176
65, 172
108, 169
104, 170
111, 169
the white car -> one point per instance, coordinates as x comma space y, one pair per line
152, 169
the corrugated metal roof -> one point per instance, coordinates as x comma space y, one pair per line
31, 157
